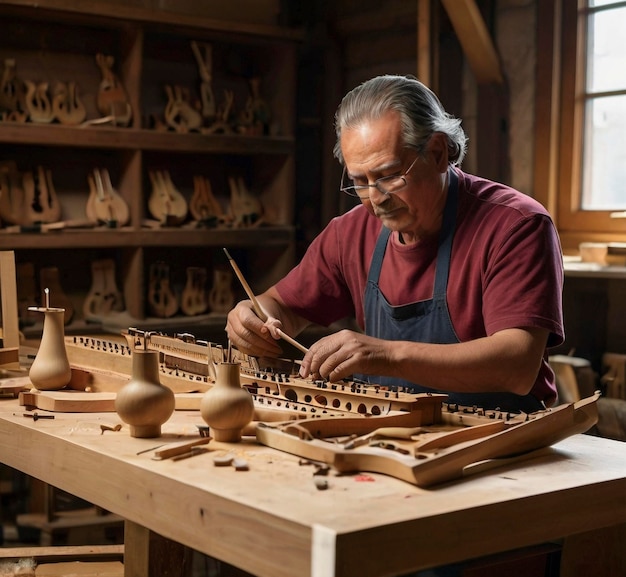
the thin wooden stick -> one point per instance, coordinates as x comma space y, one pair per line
257, 307
255, 303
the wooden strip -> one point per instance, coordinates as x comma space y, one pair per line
69, 401
9, 356
8, 290
62, 552
179, 448
323, 551
77, 568
474, 37
424, 60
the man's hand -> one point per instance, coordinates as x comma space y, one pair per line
341, 354
250, 334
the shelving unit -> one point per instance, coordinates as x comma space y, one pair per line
54, 40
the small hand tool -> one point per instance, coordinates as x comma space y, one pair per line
257, 307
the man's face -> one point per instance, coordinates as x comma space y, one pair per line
374, 149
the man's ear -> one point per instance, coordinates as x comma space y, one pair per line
438, 147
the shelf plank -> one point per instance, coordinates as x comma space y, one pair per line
131, 139
128, 237
73, 10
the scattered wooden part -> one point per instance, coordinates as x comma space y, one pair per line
12, 201
205, 66
38, 102
48, 227
162, 300
256, 116
14, 385
105, 204
52, 204
178, 206
104, 428
90, 206
222, 118
67, 106
30, 198
245, 208
240, 464
179, 114
9, 92
462, 435
222, 460
321, 483
69, 401
166, 204
221, 297
103, 297
112, 100
441, 464
174, 449
203, 206
41, 201
192, 453
194, 296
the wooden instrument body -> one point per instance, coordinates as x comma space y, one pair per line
434, 461
166, 203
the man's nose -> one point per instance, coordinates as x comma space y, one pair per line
376, 196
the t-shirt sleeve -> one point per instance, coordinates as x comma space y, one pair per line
523, 283
316, 288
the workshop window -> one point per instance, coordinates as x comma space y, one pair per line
591, 191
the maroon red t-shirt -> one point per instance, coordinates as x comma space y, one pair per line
506, 269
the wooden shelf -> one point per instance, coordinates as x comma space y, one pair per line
84, 12
127, 238
57, 41
130, 139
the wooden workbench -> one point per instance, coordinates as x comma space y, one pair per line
272, 521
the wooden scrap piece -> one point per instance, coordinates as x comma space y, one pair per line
175, 449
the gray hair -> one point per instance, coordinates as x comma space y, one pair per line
421, 113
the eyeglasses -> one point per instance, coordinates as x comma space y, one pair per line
385, 184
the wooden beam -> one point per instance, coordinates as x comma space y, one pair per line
424, 58
474, 37
547, 103
8, 293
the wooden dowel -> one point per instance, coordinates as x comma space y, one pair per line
246, 287
292, 341
257, 307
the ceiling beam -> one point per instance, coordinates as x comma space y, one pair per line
424, 42
475, 40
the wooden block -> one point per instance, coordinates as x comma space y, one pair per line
69, 401
64, 553
75, 568
9, 356
593, 252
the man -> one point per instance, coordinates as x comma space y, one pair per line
455, 280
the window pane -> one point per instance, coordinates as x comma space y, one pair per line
606, 52
594, 3
604, 165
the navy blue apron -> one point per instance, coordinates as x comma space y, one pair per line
428, 321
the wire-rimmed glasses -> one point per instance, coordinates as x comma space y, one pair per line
385, 184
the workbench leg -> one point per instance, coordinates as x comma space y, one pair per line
147, 554
599, 552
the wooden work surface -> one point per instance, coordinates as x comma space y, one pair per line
272, 521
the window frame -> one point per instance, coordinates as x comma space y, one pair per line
560, 103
